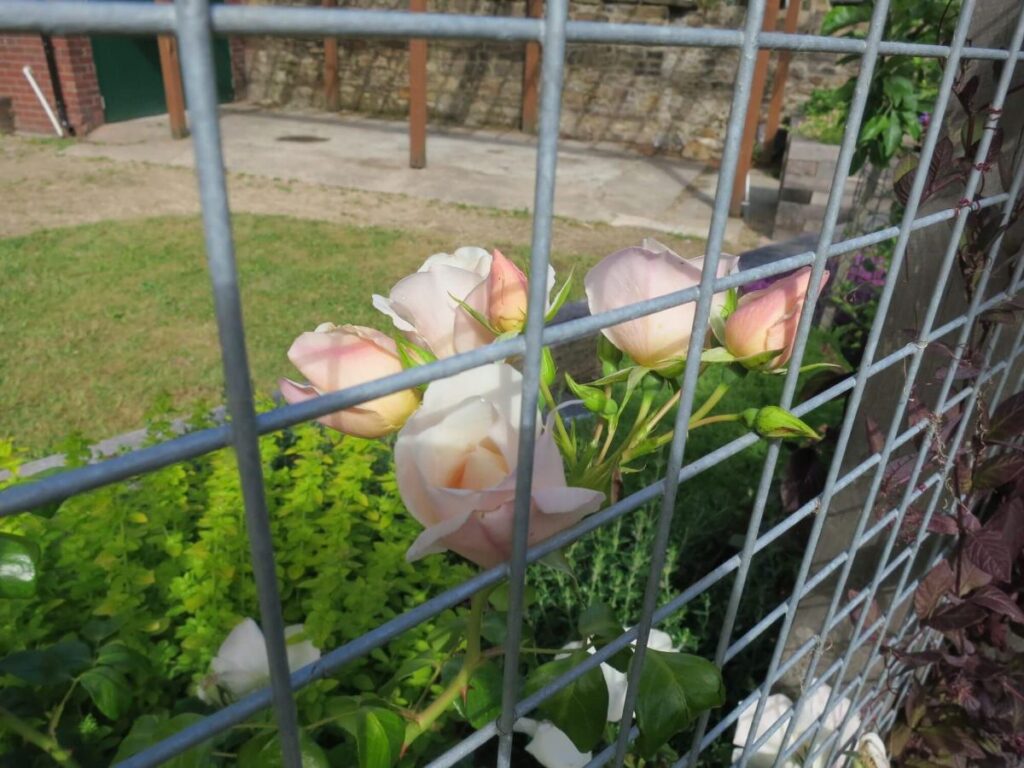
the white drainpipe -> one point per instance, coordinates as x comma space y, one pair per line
27, 71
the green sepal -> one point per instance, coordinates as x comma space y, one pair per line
717, 355
607, 352
615, 377
548, 370
560, 298
413, 355
475, 315
717, 320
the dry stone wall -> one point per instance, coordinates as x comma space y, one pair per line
658, 100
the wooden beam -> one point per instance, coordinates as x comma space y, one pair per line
330, 67
771, 124
418, 95
174, 93
739, 188
531, 72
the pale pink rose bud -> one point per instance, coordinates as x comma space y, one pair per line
766, 320
507, 290
337, 357
638, 274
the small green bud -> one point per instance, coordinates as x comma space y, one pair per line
548, 371
772, 421
594, 400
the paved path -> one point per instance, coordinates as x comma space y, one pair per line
486, 168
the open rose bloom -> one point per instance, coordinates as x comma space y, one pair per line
776, 707
241, 665
455, 461
335, 357
425, 305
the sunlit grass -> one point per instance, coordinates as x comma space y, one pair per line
99, 320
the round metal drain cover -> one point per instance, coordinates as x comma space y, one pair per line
301, 138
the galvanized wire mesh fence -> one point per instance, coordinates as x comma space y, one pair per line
194, 23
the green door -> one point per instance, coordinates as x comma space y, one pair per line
128, 71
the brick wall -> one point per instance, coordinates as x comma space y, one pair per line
671, 100
77, 77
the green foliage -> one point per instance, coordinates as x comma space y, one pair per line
902, 88
822, 114
674, 689
578, 709
142, 581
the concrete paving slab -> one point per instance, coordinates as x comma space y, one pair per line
596, 182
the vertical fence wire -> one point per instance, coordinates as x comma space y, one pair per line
908, 387
832, 210
970, 191
966, 415
198, 73
853, 402
552, 68
716, 237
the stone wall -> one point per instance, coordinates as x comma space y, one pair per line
672, 100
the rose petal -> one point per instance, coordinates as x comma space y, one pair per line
429, 541
469, 258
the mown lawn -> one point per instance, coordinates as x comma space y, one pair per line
100, 320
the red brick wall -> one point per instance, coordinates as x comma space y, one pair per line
77, 77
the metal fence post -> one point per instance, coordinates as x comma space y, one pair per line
196, 39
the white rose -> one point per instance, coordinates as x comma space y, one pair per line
241, 665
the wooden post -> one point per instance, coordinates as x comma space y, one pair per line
330, 67
771, 124
170, 69
531, 72
418, 95
739, 187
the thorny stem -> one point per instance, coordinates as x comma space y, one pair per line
61, 756
422, 721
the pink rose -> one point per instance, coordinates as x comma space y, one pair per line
425, 306
455, 461
337, 357
766, 320
640, 273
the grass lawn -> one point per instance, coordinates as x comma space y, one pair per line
102, 319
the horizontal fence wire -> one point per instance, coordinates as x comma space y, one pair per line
195, 22
61, 485
129, 18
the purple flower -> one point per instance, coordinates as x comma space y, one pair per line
924, 119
